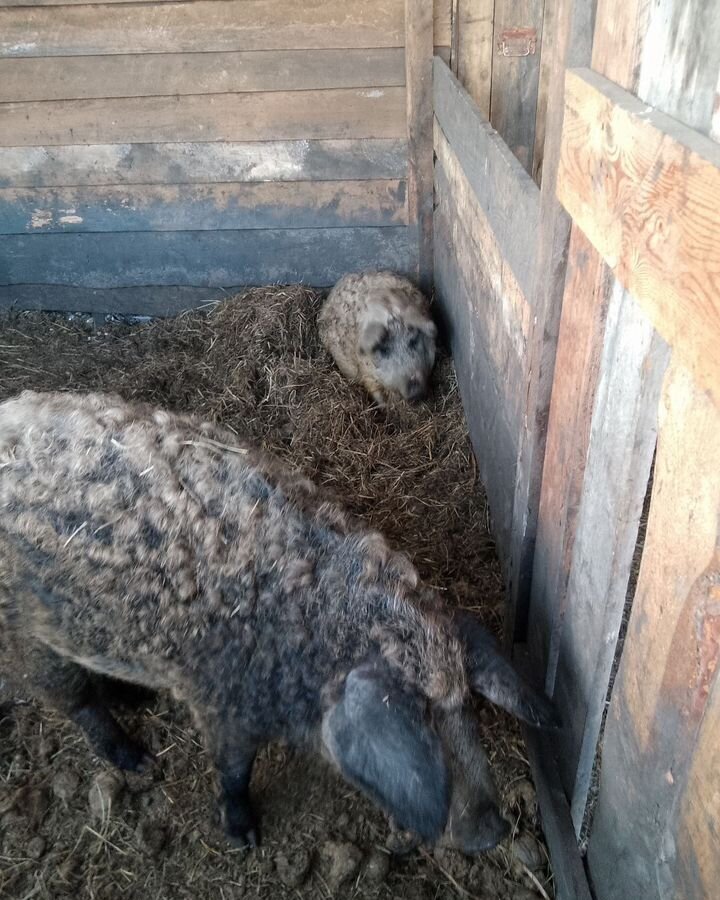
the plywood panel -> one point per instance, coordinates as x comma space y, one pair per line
201, 25
507, 194
203, 258
646, 192
192, 163
305, 204
656, 746
364, 113
148, 74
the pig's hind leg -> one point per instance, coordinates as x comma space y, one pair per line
75, 692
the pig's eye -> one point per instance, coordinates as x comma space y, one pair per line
382, 348
414, 341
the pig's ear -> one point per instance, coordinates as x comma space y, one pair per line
377, 736
494, 676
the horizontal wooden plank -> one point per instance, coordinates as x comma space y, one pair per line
154, 300
502, 311
150, 74
317, 256
305, 204
509, 197
463, 289
198, 163
201, 25
645, 189
280, 115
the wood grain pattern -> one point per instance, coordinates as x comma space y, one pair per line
577, 364
571, 44
193, 163
317, 256
646, 191
281, 115
441, 22
513, 104
305, 204
509, 197
149, 74
656, 753
213, 25
419, 80
473, 58
620, 452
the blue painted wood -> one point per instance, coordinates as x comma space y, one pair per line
315, 256
335, 204
202, 163
508, 196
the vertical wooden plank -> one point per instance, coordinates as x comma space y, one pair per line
577, 364
473, 49
513, 99
572, 43
546, 53
418, 77
620, 452
656, 755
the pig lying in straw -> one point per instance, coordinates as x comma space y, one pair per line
378, 329
152, 548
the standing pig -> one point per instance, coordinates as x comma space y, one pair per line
152, 548
378, 329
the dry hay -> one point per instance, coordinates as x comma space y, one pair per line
255, 364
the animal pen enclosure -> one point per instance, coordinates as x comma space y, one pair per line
153, 153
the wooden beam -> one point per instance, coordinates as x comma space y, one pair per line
645, 189
149, 74
213, 25
186, 162
507, 194
419, 80
276, 115
317, 256
571, 43
203, 207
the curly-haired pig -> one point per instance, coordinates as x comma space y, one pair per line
152, 548
377, 327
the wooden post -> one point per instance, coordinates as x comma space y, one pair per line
418, 70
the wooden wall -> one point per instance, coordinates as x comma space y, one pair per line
207, 143
485, 227
637, 379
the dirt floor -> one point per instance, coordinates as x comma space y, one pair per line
69, 824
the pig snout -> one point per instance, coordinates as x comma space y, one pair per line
416, 390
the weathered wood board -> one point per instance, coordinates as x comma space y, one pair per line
645, 189
259, 116
515, 76
214, 25
509, 197
223, 206
659, 803
150, 74
185, 162
472, 60
317, 256
419, 78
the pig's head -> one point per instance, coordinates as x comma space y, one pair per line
400, 352
422, 763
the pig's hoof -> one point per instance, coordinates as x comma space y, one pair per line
241, 828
